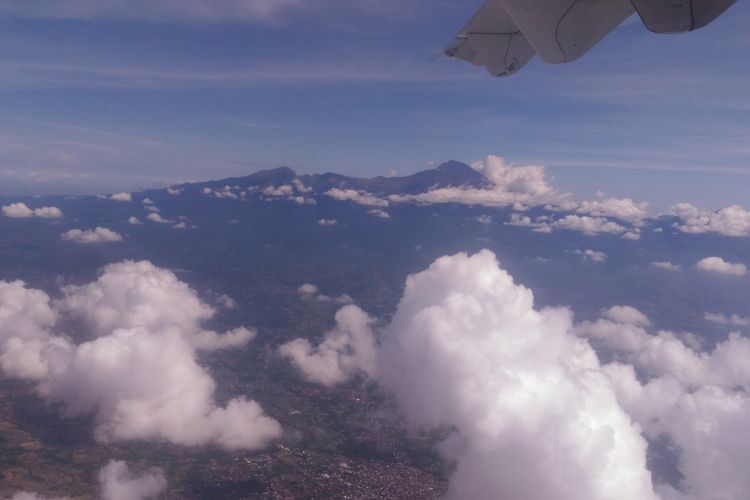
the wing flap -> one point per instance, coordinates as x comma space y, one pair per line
679, 16
491, 39
563, 30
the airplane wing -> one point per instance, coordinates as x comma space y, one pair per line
491, 39
677, 16
504, 34
563, 30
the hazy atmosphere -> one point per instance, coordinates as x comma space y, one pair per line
299, 249
108, 96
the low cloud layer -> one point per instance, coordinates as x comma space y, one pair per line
532, 411
90, 236
512, 185
621, 208
138, 375
358, 197
722, 319
21, 210
585, 224
730, 221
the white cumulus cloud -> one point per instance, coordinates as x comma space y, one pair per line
721, 319
21, 210
621, 208
90, 236
156, 217
588, 225
511, 185
730, 221
121, 197
666, 265
532, 414
376, 212
138, 376
697, 399
346, 350
719, 265
529, 410
118, 483
593, 255
358, 197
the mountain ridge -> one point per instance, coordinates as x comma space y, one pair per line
449, 174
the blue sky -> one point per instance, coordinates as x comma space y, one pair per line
110, 96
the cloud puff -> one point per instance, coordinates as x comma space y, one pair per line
624, 209
134, 221
730, 221
358, 197
530, 411
721, 319
300, 186
227, 192
121, 197
27, 495
97, 235
698, 400
327, 222
308, 291
533, 415
138, 376
27, 350
719, 265
143, 386
174, 191
283, 190
346, 350
511, 185
20, 210
594, 255
376, 212
588, 225
666, 265
156, 217
136, 295
118, 483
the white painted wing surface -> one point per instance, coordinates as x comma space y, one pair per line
564, 30
491, 39
678, 16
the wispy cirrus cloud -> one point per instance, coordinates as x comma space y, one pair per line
162, 11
